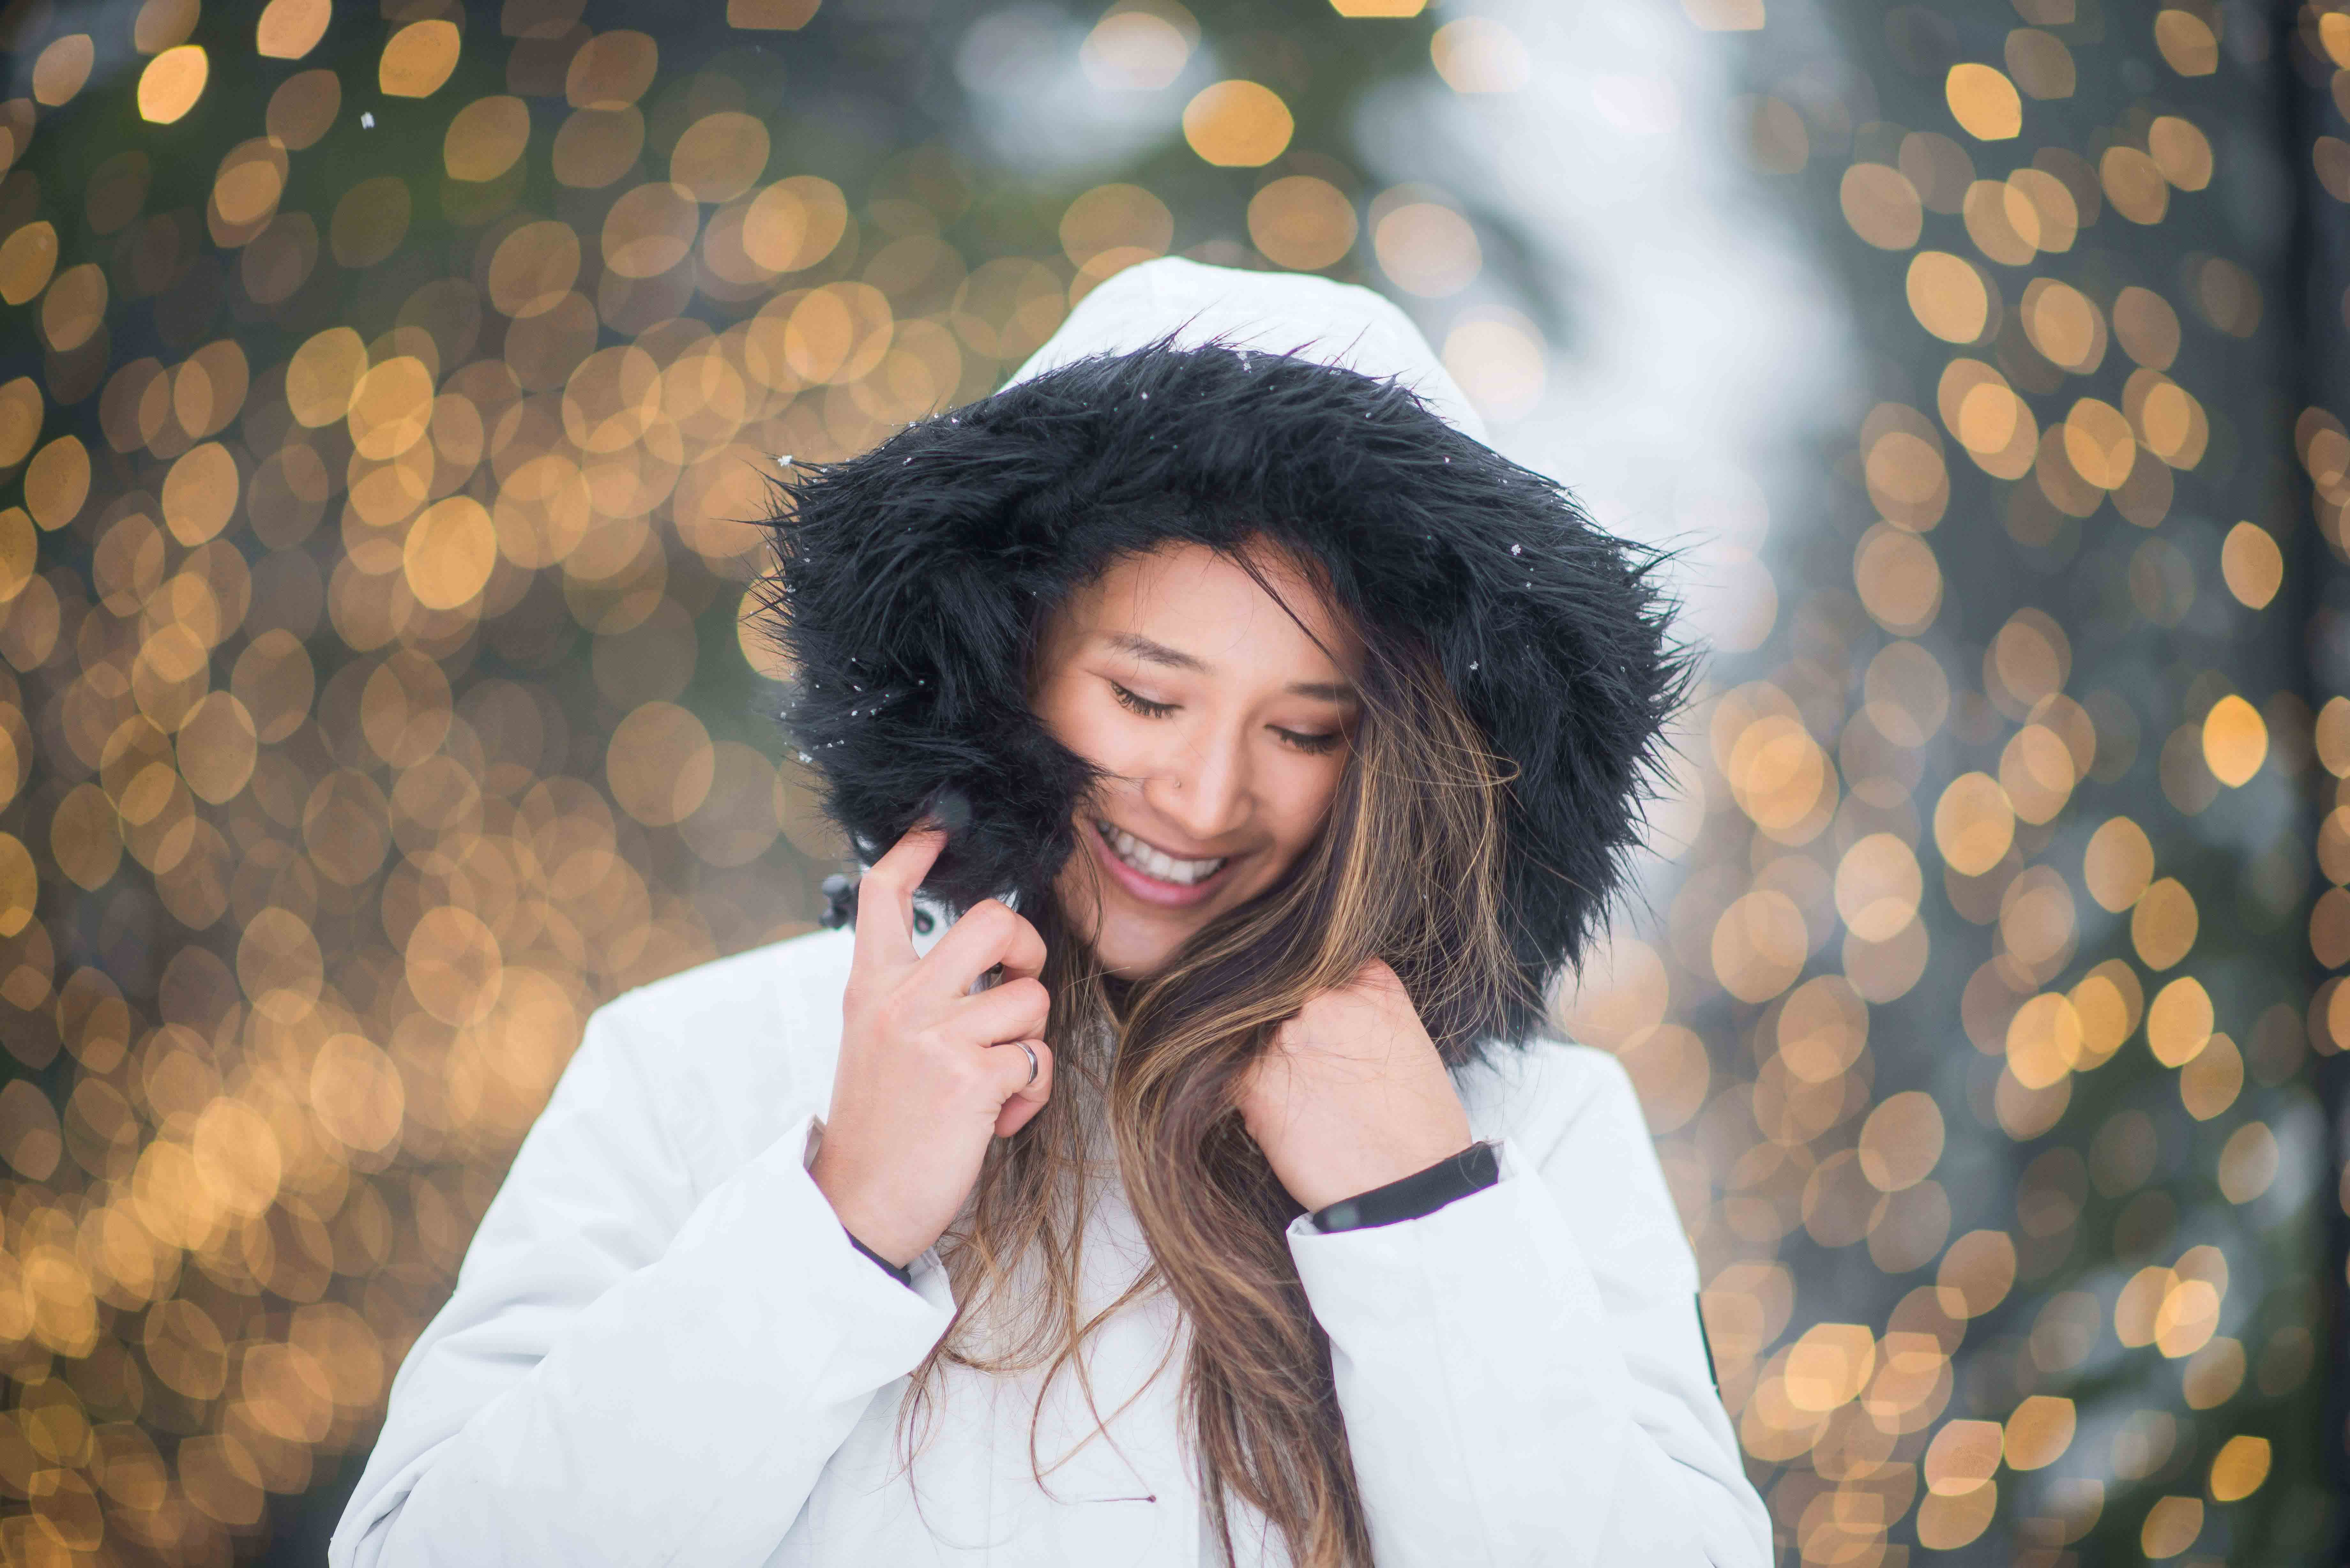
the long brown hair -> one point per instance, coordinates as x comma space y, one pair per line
1407, 868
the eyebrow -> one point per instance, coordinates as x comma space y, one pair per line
1151, 652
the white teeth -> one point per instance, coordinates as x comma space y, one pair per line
1150, 862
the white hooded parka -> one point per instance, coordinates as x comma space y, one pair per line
662, 1348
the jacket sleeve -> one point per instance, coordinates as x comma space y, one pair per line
630, 1371
1522, 1371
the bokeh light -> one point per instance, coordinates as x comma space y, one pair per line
1998, 921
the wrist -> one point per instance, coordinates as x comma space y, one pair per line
898, 1271
868, 1224
1392, 1165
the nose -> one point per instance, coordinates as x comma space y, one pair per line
1204, 788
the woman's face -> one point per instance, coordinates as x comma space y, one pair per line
1224, 728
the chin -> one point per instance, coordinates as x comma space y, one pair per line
1127, 942
1133, 951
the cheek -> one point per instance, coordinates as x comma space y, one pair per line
1066, 720
1303, 799
1096, 731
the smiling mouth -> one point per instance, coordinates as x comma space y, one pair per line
1140, 856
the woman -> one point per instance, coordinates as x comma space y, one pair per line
1209, 1189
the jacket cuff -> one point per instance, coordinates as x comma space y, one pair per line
925, 1276
903, 1276
1421, 1193
1512, 1225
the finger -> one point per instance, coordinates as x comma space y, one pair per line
988, 933
885, 898
1012, 1011
1026, 1099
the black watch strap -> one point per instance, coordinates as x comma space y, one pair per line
903, 1276
1422, 1192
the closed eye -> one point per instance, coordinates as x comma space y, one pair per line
1142, 705
1313, 745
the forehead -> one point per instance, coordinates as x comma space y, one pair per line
1203, 601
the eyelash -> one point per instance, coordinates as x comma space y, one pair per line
1313, 745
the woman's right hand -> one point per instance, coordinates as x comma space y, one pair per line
928, 1072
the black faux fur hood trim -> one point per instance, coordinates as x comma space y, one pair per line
910, 581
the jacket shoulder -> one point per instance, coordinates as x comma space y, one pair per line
734, 1050
743, 991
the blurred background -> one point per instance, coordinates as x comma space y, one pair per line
384, 390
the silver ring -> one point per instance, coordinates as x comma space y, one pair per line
1031, 1059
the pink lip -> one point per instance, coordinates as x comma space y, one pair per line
1151, 889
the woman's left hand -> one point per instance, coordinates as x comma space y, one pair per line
1353, 1093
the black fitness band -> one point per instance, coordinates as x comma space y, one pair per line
1422, 1192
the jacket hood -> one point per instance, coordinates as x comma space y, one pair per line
1185, 403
